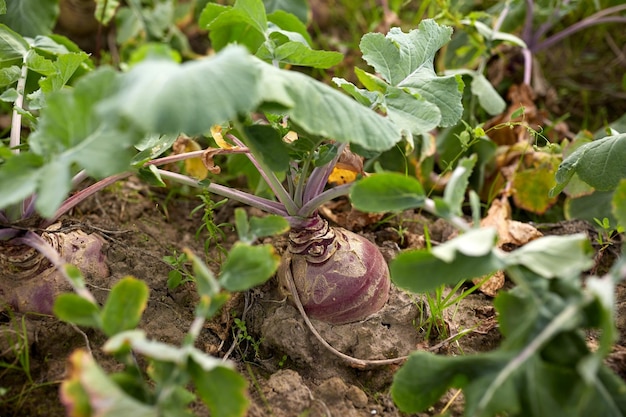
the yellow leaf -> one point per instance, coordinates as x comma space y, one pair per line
342, 175
193, 166
216, 132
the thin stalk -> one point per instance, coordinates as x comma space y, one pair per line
81, 196
313, 204
583, 24
16, 120
251, 200
527, 31
528, 65
456, 221
319, 176
300, 186
38, 243
269, 177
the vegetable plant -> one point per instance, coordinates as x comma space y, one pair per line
92, 129
162, 390
544, 365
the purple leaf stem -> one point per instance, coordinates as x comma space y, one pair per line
29, 206
82, 195
583, 24
3, 217
8, 233
528, 65
319, 176
313, 204
38, 243
270, 178
251, 200
527, 31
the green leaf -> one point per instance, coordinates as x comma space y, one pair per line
31, 17
476, 242
414, 114
288, 20
245, 24
242, 225
3, 7
618, 203
590, 207
268, 226
494, 35
298, 8
554, 256
266, 143
192, 96
387, 192
105, 10
223, 390
454, 193
425, 377
599, 163
206, 283
420, 271
18, 178
64, 68
247, 266
9, 75
75, 309
488, 98
89, 389
296, 53
13, 47
405, 61
124, 306
70, 133
324, 111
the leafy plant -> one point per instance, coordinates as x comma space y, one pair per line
544, 365
163, 389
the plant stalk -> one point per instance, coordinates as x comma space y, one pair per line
269, 177
16, 120
237, 195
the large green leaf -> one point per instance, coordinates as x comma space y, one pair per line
70, 133
387, 192
13, 47
165, 97
31, 17
415, 96
324, 111
425, 377
599, 163
18, 178
552, 256
467, 256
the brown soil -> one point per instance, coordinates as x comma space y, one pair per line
290, 372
